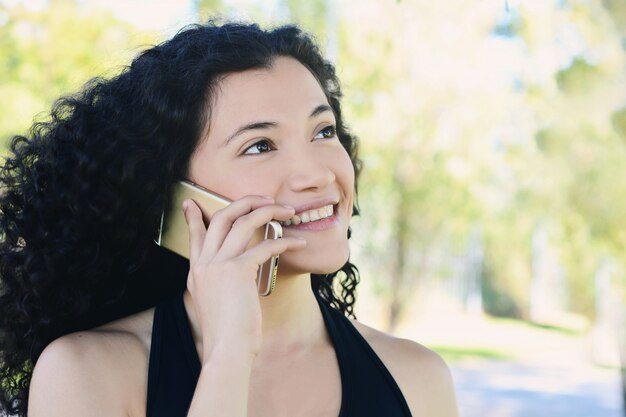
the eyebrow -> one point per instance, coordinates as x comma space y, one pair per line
266, 125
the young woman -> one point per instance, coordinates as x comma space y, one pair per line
97, 320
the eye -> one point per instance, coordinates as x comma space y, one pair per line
259, 147
328, 132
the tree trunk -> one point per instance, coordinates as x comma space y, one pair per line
400, 237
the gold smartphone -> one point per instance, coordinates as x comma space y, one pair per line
174, 233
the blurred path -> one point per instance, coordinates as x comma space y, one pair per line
513, 389
508, 368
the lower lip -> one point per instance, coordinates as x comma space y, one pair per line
322, 224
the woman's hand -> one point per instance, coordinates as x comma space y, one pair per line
222, 274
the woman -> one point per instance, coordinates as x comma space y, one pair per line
255, 116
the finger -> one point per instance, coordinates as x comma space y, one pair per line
244, 227
222, 220
260, 253
197, 229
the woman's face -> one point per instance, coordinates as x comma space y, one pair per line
271, 132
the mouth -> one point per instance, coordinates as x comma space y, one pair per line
321, 215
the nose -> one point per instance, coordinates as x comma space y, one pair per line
309, 171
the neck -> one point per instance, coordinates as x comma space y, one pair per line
291, 318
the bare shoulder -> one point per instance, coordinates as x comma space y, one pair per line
421, 374
101, 371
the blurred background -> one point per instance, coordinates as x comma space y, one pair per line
493, 134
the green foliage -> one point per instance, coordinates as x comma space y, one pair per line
619, 123
51, 52
579, 77
311, 15
208, 8
617, 12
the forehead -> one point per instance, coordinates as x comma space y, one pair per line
283, 90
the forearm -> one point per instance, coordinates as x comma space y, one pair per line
222, 388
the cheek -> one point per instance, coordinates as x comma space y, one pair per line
237, 185
346, 177
234, 181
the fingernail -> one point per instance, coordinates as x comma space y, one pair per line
288, 207
185, 205
267, 197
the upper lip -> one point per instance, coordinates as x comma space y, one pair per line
316, 204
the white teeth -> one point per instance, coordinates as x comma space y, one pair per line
310, 216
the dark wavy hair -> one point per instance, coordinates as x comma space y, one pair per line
81, 196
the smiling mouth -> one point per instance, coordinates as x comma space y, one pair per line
310, 216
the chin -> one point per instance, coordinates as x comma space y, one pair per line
324, 261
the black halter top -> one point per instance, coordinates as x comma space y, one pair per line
368, 389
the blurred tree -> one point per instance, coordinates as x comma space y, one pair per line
49, 51
617, 12
415, 196
504, 119
579, 103
311, 15
206, 8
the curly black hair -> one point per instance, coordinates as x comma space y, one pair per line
81, 196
